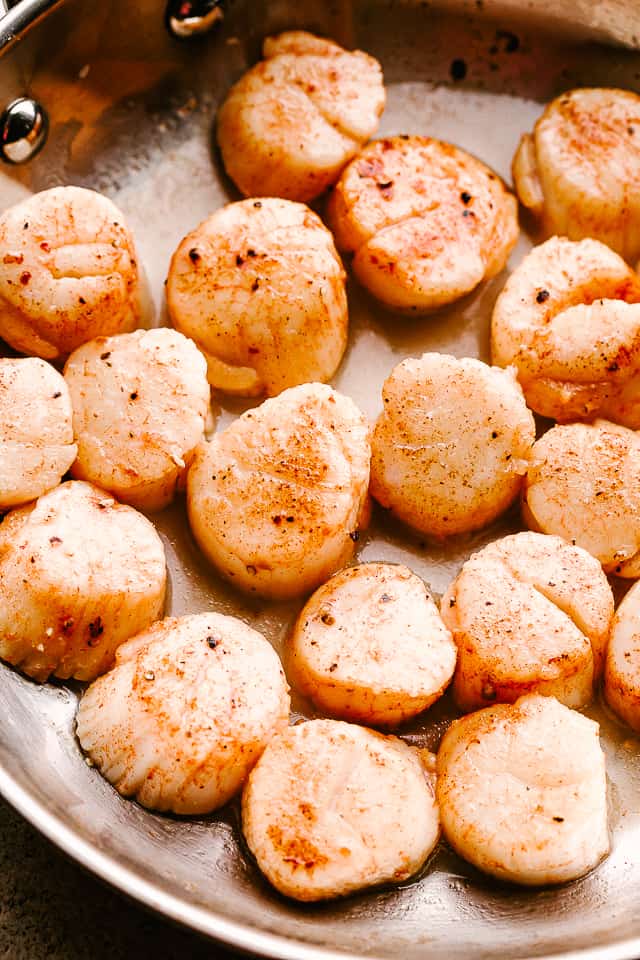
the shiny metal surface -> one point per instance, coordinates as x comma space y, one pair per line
191, 18
131, 114
24, 126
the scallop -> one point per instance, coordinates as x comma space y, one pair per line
522, 791
369, 646
68, 273
185, 713
563, 321
277, 499
79, 575
261, 289
622, 668
452, 443
36, 433
140, 407
579, 171
425, 221
292, 122
583, 484
331, 808
529, 614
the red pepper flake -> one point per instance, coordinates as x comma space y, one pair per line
328, 619
96, 628
24, 278
12, 258
45, 246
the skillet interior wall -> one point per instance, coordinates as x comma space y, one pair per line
137, 125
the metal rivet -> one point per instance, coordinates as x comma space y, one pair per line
24, 126
188, 18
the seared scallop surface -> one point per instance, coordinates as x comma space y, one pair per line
529, 614
36, 433
186, 711
260, 288
622, 667
569, 321
331, 808
276, 500
369, 646
79, 575
425, 221
140, 407
583, 484
68, 272
579, 171
522, 791
451, 445
291, 123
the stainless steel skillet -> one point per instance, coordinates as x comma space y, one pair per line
130, 113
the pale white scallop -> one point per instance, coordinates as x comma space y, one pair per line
622, 667
579, 171
569, 321
369, 646
260, 288
79, 575
522, 791
583, 484
276, 500
425, 221
331, 808
451, 445
186, 711
140, 408
36, 432
68, 272
291, 123
529, 614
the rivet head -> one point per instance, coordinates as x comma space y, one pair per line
24, 126
189, 18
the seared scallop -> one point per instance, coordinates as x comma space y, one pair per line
260, 288
622, 668
185, 712
68, 272
276, 500
79, 575
529, 614
583, 484
36, 433
579, 172
370, 646
451, 445
522, 791
331, 808
425, 221
563, 322
291, 123
140, 406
